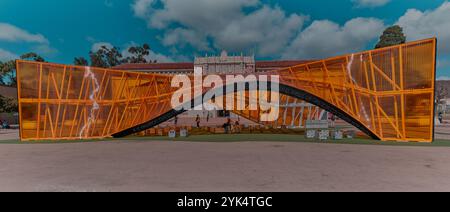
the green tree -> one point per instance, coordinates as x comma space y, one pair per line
138, 54
8, 69
8, 105
2, 73
32, 56
8, 73
106, 57
391, 36
80, 61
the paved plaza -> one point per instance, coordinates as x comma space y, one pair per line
216, 166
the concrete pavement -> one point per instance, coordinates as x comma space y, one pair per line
238, 166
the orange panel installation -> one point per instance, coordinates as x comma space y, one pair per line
386, 93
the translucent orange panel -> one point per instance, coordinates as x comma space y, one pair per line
388, 92
66, 102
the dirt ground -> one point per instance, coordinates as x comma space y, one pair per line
238, 166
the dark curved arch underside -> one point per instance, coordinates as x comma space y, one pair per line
284, 89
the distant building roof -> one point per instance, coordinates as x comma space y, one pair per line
280, 64
190, 66
156, 66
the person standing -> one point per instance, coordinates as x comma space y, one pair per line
237, 126
333, 120
5, 124
229, 126
197, 120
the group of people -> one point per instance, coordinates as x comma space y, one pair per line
230, 128
197, 120
4, 124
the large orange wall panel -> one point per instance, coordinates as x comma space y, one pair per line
388, 92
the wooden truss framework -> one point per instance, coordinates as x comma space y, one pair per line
389, 92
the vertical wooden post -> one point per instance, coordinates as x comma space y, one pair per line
376, 96
402, 87
39, 103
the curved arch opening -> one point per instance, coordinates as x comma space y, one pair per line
283, 89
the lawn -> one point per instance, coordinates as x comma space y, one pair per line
246, 138
284, 138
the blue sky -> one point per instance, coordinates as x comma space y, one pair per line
178, 30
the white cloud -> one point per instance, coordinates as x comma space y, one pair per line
268, 29
370, 3
325, 38
183, 37
443, 78
6, 55
419, 25
141, 8
12, 33
160, 58
204, 15
97, 46
206, 24
40, 44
